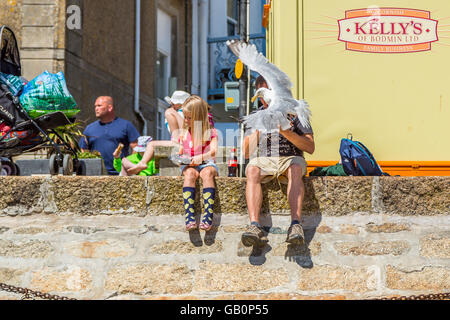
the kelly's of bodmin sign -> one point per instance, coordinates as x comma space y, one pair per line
388, 30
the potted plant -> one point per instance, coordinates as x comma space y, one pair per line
91, 164
69, 134
78, 161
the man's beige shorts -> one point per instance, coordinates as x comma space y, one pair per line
276, 167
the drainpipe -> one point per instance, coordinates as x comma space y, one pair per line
137, 66
186, 48
244, 84
249, 78
195, 58
203, 37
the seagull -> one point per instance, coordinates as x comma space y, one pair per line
279, 97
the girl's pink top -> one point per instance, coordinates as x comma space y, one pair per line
188, 145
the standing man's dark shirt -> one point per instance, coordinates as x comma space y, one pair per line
105, 137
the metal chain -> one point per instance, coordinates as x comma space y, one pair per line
28, 294
433, 296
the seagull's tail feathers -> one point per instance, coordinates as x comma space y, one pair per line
266, 121
303, 113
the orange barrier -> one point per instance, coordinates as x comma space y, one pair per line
266, 13
400, 168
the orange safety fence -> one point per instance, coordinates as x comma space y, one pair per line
400, 168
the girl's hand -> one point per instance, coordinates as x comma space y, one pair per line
196, 160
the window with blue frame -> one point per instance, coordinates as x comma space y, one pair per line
222, 60
232, 17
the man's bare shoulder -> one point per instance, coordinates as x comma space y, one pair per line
169, 111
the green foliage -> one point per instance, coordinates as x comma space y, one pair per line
70, 134
89, 155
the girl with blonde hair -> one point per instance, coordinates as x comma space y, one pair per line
198, 141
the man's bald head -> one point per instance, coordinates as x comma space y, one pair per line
106, 99
104, 108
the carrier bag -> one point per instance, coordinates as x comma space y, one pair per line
48, 93
357, 160
336, 171
15, 84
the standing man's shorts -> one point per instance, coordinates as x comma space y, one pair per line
276, 167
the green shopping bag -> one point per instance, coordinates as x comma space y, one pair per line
48, 93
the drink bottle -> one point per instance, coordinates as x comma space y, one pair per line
232, 163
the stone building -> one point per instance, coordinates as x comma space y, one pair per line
182, 46
96, 50
40, 30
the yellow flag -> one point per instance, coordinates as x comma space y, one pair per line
239, 68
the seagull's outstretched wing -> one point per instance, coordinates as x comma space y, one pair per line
282, 101
275, 78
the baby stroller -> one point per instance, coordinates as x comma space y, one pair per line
25, 134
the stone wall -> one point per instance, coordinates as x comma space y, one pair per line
123, 238
42, 36
11, 15
39, 26
100, 58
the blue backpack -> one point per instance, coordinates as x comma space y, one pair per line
357, 160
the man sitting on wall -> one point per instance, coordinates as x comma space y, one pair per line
285, 162
105, 134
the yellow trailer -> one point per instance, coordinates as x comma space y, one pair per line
379, 72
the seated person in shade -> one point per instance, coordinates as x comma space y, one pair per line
122, 165
174, 114
174, 123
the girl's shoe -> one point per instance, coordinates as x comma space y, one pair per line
205, 226
191, 226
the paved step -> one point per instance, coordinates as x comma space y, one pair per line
123, 257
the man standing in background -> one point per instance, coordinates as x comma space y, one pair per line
105, 134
